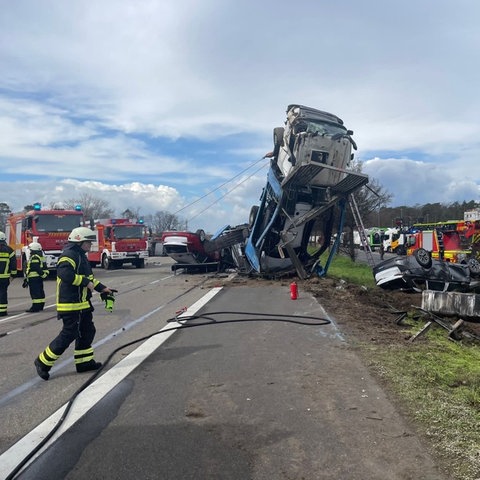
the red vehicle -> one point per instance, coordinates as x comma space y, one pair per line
187, 247
119, 241
192, 250
49, 227
449, 241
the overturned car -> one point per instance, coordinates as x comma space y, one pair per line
419, 272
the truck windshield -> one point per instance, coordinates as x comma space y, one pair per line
56, 222
324, 128
128, 231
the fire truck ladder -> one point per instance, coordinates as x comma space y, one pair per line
361, 230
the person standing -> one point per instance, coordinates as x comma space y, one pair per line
75, 284
35, 273
8, 270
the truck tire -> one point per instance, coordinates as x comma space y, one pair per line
106, 263
423, 257
139, 263
201, 235
277, 140
253, 215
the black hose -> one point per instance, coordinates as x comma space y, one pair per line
261, 317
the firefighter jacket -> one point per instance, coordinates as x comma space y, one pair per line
36, 267
73, 275
8, 261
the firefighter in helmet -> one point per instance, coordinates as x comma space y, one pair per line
75, 284
8, 270
35, 273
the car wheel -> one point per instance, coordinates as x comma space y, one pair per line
474, 266
423, 257
201, 235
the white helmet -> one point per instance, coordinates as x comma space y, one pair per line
35, 246
3, 237
81, 234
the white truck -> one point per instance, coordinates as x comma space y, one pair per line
394, 241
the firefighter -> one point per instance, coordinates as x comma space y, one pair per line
35, 273
75, 284
8, 270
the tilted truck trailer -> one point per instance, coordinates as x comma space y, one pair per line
119, 241
309, 176
49, 227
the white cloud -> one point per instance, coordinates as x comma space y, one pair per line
416, 182
161, 102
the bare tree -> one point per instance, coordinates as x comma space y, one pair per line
4, 213
369, 199
163, 220
131, 213
92, 207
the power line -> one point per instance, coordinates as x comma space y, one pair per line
223, 184
229, 191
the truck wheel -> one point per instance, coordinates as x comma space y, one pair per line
423, 257
106, 263
139, 263
277, 140
253, 215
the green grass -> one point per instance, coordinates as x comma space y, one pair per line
437, 380
353, 272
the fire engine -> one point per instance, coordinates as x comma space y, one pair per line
119, 241
449, 241
49, 227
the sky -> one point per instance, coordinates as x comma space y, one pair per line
170, 105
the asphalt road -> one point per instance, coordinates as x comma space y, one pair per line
254, 400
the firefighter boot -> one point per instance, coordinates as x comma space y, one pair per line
88, 366
35, 308
42, 369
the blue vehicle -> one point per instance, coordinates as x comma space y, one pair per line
307, 180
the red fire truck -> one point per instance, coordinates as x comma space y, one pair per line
49, 227
119, 241
449, 241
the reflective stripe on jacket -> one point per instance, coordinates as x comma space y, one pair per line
73, 275
8, 261
36, 267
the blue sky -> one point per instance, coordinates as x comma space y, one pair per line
152, 104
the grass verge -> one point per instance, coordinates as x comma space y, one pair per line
437, 380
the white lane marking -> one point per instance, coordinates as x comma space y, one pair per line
92, 394
23, 314
95, 302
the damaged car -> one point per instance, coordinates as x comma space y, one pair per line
420, 272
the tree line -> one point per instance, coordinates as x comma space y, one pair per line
427, 213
